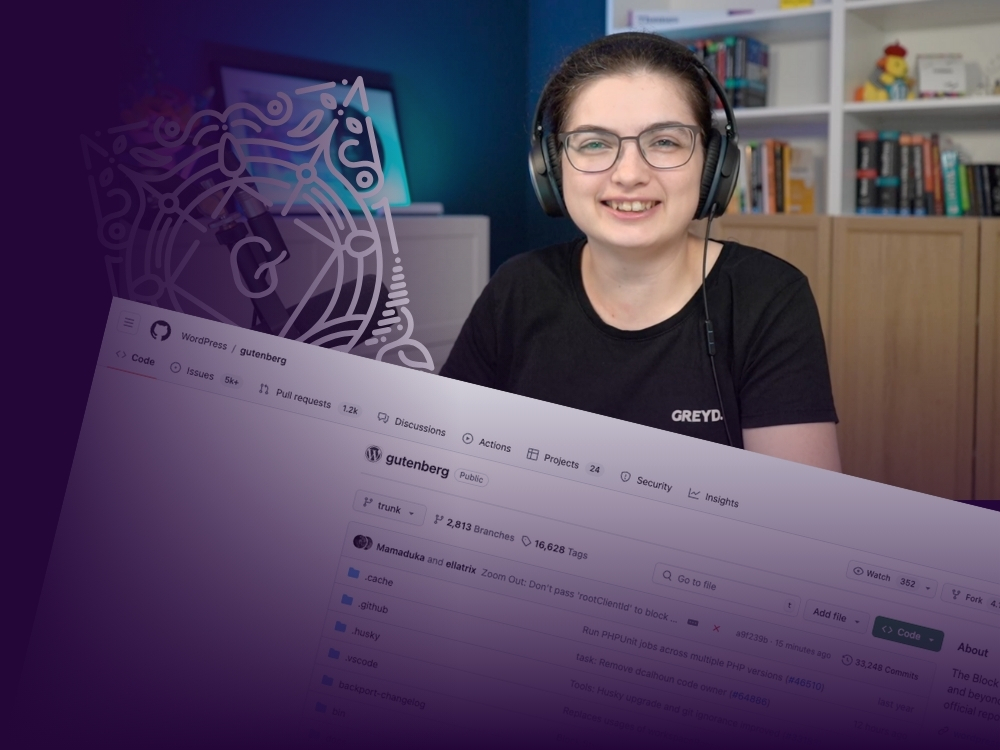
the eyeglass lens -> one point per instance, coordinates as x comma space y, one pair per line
662, 148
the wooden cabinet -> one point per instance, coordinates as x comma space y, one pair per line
903, 350
803, 241
911, 315
987, 482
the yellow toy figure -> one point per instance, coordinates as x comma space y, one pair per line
888, 80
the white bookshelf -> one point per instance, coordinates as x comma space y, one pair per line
820, 54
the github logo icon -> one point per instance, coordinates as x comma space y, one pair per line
373, 453
363, 542
160, 330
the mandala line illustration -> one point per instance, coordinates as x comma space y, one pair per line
162, 187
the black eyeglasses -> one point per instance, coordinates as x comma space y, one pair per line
663, 147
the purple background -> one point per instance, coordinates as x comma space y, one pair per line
467, 73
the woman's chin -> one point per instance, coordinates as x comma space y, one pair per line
638, 236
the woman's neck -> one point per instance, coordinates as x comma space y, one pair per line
635, 288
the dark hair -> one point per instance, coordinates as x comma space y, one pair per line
624, 54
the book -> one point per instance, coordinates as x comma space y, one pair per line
963, 188
919, 207
664, 20
936, 170
740, 64
770, 193
983, 180
949, 181
888, 172
991, 189
758, 180
975, 204
905, 174
756, 66
867, 172
802, 182
920, 175
928, 161
778, 149
786, 169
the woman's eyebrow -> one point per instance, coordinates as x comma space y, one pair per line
664, 124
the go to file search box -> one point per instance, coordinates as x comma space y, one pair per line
724, 589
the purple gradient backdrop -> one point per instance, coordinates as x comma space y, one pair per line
62, 62
65, 65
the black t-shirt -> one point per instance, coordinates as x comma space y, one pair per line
534, 332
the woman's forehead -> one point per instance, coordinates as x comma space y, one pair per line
629, 101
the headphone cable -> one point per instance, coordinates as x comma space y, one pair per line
709, 331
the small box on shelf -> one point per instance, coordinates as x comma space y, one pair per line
940, 75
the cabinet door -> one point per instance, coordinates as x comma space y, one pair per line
988, 376
903, 350
803, 241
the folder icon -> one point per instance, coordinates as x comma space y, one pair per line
348, 600
353, 572
334, 653
321, 708
327, 680
340, 627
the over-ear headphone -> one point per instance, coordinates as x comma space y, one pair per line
718, 177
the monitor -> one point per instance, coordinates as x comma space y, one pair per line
321, 94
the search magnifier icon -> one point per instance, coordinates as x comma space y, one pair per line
666, 574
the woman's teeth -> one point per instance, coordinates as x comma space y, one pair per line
631, 205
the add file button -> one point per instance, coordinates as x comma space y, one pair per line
840, 617
908, 633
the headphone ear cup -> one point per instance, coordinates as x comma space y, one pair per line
545, 176
709, 175
553, 163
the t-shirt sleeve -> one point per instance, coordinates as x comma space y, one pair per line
473, 358
787, 376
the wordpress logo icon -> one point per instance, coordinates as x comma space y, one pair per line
373, 453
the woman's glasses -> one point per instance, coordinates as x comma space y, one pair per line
664, 147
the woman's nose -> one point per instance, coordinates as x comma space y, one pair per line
631, 167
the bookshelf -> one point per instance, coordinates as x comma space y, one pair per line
820, 54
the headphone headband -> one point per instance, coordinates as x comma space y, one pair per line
721, 154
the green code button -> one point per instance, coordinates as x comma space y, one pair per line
908, 633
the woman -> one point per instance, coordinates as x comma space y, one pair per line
615, 322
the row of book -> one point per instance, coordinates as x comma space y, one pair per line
922, 175
775, 179
741, 65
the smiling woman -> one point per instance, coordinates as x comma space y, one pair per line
640, 319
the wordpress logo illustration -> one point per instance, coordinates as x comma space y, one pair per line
160, 330
373, 453
363, 542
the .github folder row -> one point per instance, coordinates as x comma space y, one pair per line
267, 542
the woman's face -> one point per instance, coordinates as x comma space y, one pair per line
628, 105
